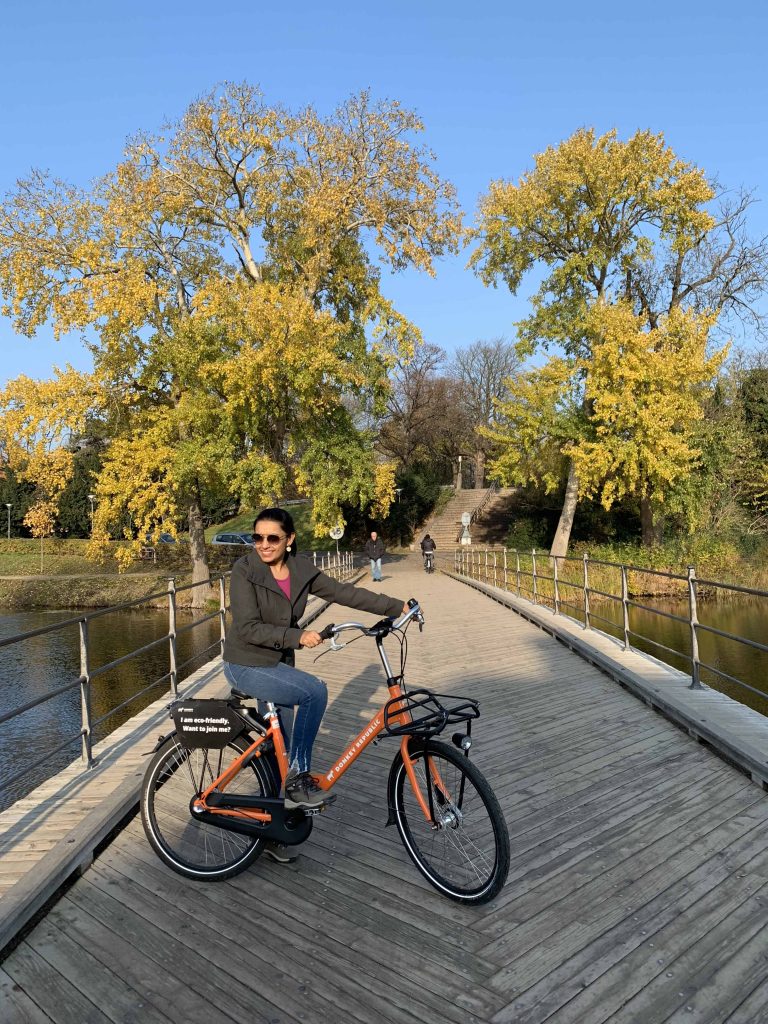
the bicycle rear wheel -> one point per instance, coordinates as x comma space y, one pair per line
464, 853
175, 776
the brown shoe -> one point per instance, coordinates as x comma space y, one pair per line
303, 793
279, 852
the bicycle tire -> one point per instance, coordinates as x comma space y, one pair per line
469, 865
190, 847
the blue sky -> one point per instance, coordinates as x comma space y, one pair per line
495, 83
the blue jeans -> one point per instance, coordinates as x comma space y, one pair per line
376, 568
282, 684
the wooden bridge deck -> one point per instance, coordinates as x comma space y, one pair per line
637, 892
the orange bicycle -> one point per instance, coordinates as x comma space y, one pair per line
211, 794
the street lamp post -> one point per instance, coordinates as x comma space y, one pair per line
91, 498
9, 506
398, 489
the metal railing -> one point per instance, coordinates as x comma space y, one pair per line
565, 585
339, 567
87, 673
339, 564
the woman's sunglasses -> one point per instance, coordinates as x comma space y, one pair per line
269, 538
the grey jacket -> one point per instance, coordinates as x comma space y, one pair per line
264, 628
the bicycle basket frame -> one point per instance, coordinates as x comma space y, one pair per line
428, 713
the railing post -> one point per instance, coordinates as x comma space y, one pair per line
517, 570
85, 696
533, 563
485, 578
223, 610
555, 582
693, 618
172, 635
495, 580
505, 570
314, 558
625, 605
586, 591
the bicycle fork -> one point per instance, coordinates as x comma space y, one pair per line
447, 814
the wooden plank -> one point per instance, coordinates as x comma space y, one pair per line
15, 1005
99, 981
280, 966
50, 991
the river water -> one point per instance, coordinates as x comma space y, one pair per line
33, 667
745, 618
44, 663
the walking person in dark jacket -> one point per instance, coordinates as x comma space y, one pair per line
374, 549
269, 591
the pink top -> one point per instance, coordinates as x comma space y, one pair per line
285, 586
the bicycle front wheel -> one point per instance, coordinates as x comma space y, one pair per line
464, 851
175, 777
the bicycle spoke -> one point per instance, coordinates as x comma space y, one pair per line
188, 845
464, 851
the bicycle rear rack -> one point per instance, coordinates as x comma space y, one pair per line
428, 713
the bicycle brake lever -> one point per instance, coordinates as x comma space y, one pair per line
333, 646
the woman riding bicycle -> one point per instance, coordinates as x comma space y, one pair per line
269, 591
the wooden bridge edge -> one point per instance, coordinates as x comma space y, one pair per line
667, 691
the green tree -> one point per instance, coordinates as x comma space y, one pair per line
609, 221
225, 269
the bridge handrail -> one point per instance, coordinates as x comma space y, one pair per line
493, 567
340, 566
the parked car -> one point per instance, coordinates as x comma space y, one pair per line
163, 538
233, 538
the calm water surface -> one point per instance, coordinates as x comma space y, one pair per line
746, 618
41, 664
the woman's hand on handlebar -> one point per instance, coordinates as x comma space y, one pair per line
406, 608
309, 638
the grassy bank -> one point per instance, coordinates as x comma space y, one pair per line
722, 561
99, 592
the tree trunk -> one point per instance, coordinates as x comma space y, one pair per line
559, 547
200, 571
652, 529
479, 468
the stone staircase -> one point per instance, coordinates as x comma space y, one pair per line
492, 525
444, 528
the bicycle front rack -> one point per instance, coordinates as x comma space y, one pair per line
428, 714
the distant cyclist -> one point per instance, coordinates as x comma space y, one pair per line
428, 548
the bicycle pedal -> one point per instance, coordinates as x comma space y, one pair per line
312, 811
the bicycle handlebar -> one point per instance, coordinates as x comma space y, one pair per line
332, 630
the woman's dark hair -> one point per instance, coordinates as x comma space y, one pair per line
278, 515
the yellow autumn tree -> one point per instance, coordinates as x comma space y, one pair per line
606, 221
36, 421
226, 271
644, 390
